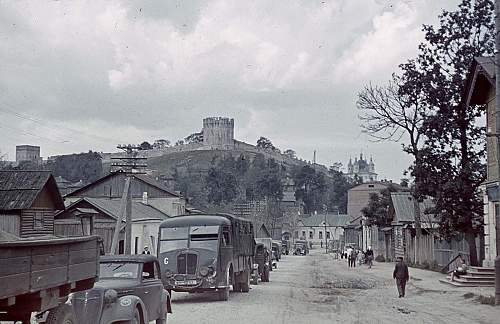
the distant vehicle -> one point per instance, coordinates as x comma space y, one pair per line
285, 247
300, 247
206, 253
262, 259
129, 290
276, 247
38, 275
268, 243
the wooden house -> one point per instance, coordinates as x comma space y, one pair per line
105, 212
28, 203
142, 187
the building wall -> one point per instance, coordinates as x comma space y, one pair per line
218, 132
491, 141
316, 234
10, 223
359, 196
490, 248
27, 153
37, 222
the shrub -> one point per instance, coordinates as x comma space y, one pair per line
487, 300
380, 258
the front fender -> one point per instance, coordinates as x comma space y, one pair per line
123, 310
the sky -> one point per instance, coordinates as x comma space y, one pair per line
89, 75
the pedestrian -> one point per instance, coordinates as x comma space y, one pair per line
348, 256
354, 256
401, 275
146, 250
369, 257
460, 270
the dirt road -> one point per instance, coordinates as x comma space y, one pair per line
318, 289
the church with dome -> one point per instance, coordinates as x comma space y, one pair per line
361, 168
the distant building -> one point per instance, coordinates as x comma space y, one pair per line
218, 132
27, 153
312, 229
362, 169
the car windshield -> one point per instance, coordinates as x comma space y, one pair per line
208, 244
118, 270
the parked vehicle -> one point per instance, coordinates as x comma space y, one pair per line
262, 259
268, 243
285, 247
38, 275
129, 290
206, 253
300, 247
276, 247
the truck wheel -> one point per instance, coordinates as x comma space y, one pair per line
236, 283
137, 317
62, 314
223, 294
245, 285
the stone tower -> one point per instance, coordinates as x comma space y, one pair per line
218, 132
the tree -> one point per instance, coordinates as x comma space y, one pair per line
310, 187
378, 206
452, 167
194, 138
86, 167
160, 144
145, 146
221, 186
179, 143
290, 153
337, 191
265, 144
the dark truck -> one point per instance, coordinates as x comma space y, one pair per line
208, 252
38, 275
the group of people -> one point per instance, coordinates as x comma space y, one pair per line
355, 255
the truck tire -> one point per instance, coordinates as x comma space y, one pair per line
223, 294
162, 320
62, 314
245, 285
236, 283
265, 275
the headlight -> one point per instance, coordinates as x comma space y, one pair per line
204, 271
110, 296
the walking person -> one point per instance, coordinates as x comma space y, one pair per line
354, 255
348, 256
369, 257
146, 250
401, 275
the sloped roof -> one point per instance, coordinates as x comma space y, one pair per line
480, 78
111, 207
333, 220
404, 210
141, 177
20, 188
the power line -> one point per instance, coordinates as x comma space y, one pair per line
31, 134
47, 124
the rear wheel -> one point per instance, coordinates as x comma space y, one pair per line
245, 285
62, 314
162, 320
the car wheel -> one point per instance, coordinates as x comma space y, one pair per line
137, 317
162, 320
62, 314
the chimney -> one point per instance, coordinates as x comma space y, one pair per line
145, 198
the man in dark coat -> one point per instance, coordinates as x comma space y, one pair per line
401, 275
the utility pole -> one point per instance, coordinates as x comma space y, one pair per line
497, 119
129, 164
325, 207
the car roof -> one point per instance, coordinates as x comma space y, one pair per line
139, 258
195, 220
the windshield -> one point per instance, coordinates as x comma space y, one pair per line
118, 270
172, 245
195, 237
207, 244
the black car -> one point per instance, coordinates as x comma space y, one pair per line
129, 289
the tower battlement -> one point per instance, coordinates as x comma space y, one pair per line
218, 132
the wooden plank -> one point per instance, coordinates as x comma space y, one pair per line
49, 249
14, 265
78, 246
14, 285
48, 278
6, 252
83, 271
83, 256
49, 261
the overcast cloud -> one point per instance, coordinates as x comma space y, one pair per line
76, 76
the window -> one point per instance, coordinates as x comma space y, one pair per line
226, 238
148, 270
38, 220
320, 235
311, 234
303, 233
328, 235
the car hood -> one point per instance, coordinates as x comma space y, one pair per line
116, 284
